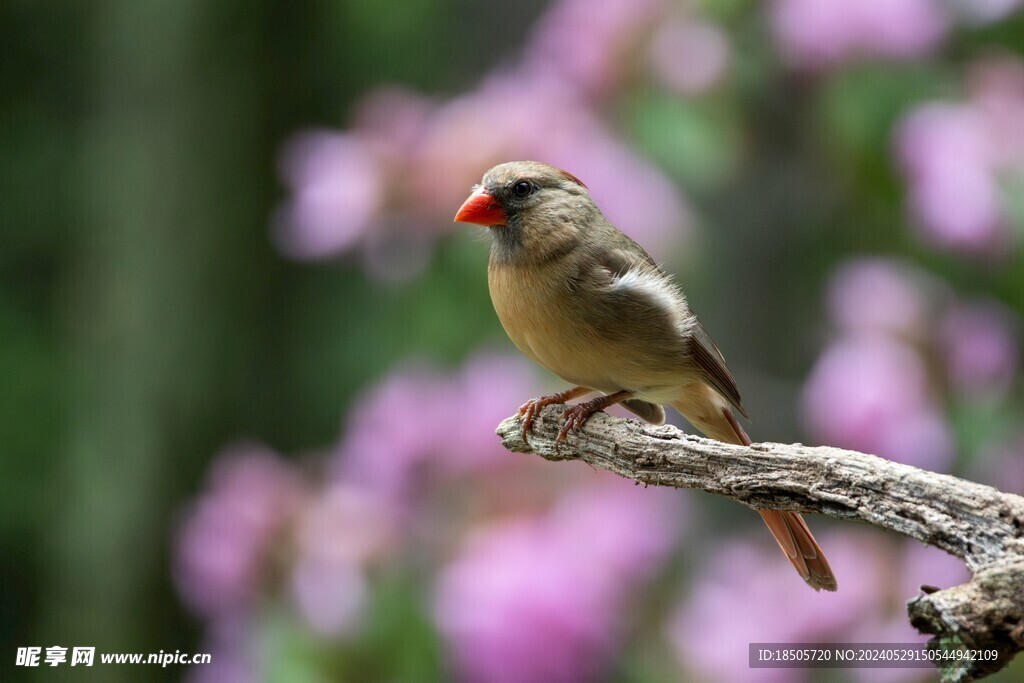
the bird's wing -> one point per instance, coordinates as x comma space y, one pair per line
631, 266
711, 364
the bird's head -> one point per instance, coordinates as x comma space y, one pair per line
533, 210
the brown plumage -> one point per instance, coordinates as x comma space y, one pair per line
585, 301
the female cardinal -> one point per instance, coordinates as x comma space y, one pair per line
586, 302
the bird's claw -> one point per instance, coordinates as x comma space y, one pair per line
573, 418
527, 411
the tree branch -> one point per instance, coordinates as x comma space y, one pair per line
977, 523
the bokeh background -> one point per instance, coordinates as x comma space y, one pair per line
251, 373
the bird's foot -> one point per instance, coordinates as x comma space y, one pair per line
529, 410
575, 416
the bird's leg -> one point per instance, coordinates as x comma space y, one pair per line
529, 409
576, 415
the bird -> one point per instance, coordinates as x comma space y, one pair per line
584, 301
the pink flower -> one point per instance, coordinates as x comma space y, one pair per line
512, 609
392, 121
390, 184
689, 57
224, 541
946, 155
634, 195
337, 192
401, 429
871, 393
996, 90
963, 161
586, 42
980, 346
746, 592
336, 537
624, 529
522, 115
878, 295
911, 565
541, 599
816, 34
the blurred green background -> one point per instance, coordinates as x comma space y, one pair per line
830, 191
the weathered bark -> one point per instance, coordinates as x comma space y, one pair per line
979, 524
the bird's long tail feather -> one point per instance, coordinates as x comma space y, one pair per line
788, 528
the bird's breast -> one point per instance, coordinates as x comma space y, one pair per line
549, 314
542, 316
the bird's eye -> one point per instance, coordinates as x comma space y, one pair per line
522, 189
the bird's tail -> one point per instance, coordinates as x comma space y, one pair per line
788, 528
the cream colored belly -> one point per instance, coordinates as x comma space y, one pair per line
550, 330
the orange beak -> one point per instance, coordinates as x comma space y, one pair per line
481, 208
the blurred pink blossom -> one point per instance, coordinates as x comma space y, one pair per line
995, 87
946, 155
392, 121
626, 530
338, 534
223, 543
541, 599
511, 609
911, 566
746, 592
340, 180
586, 42
337, 190
878, 294
391, 183
813, 34
871, 389
689, 57
401, 428
980, 347
518, 116
957, 156
635, 196
871, 393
